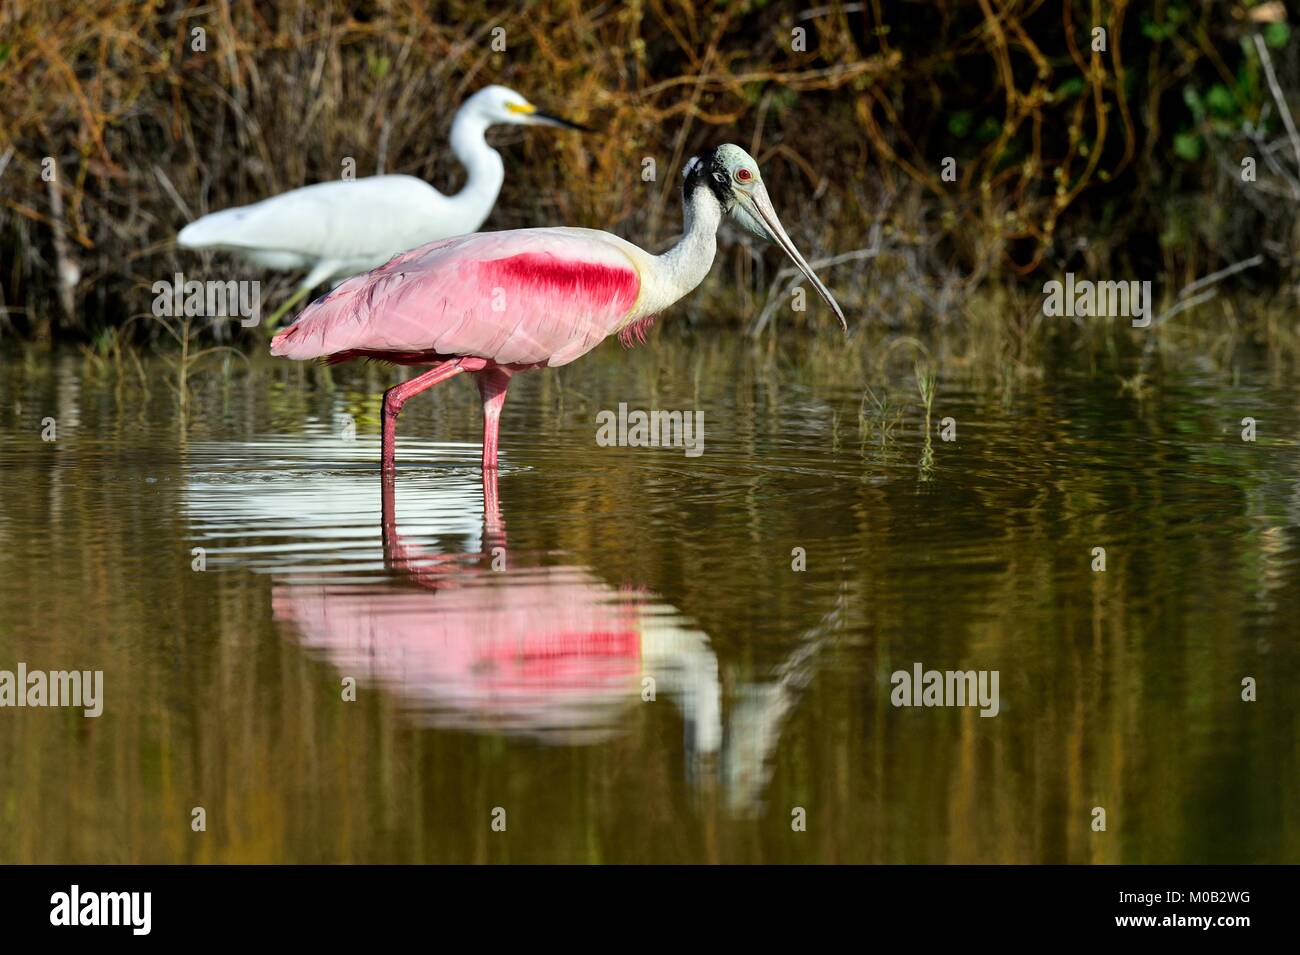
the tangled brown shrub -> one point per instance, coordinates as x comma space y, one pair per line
1062, 149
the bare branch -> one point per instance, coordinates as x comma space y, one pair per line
1213, 277
786, 274
1262, 49
1192, 295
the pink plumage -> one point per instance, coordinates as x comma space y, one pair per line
557, 655
492, 304
523, 298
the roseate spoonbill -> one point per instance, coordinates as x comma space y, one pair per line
497, 303
338, 229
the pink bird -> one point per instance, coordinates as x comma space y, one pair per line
497, 303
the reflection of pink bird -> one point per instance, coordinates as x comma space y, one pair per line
548, 652
551, 653
497, 303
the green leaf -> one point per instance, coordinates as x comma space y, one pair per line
1188, 146
1071, 87
1220, 100
959, 124
1155, 31
1276, 34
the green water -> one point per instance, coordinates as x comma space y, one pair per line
629, 667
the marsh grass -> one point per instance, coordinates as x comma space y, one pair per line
185, 360
877, 381
878, 417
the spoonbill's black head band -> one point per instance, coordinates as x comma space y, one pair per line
707, 169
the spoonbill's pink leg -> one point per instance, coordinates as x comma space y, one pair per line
387, 516
428, 569
493, 526
492, 385
397, 396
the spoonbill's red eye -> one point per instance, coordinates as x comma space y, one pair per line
743, 175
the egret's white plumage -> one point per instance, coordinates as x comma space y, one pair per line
338, 229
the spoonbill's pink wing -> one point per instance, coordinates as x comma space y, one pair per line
527, 296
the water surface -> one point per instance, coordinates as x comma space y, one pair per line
621, 655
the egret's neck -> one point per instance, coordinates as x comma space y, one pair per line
684, 266
482, 162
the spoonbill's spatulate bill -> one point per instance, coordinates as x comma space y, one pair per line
497, 303
339, 229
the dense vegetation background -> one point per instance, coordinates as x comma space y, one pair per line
1102, 137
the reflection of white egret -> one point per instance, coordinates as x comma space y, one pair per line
758, 714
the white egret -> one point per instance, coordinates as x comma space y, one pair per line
339, 229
